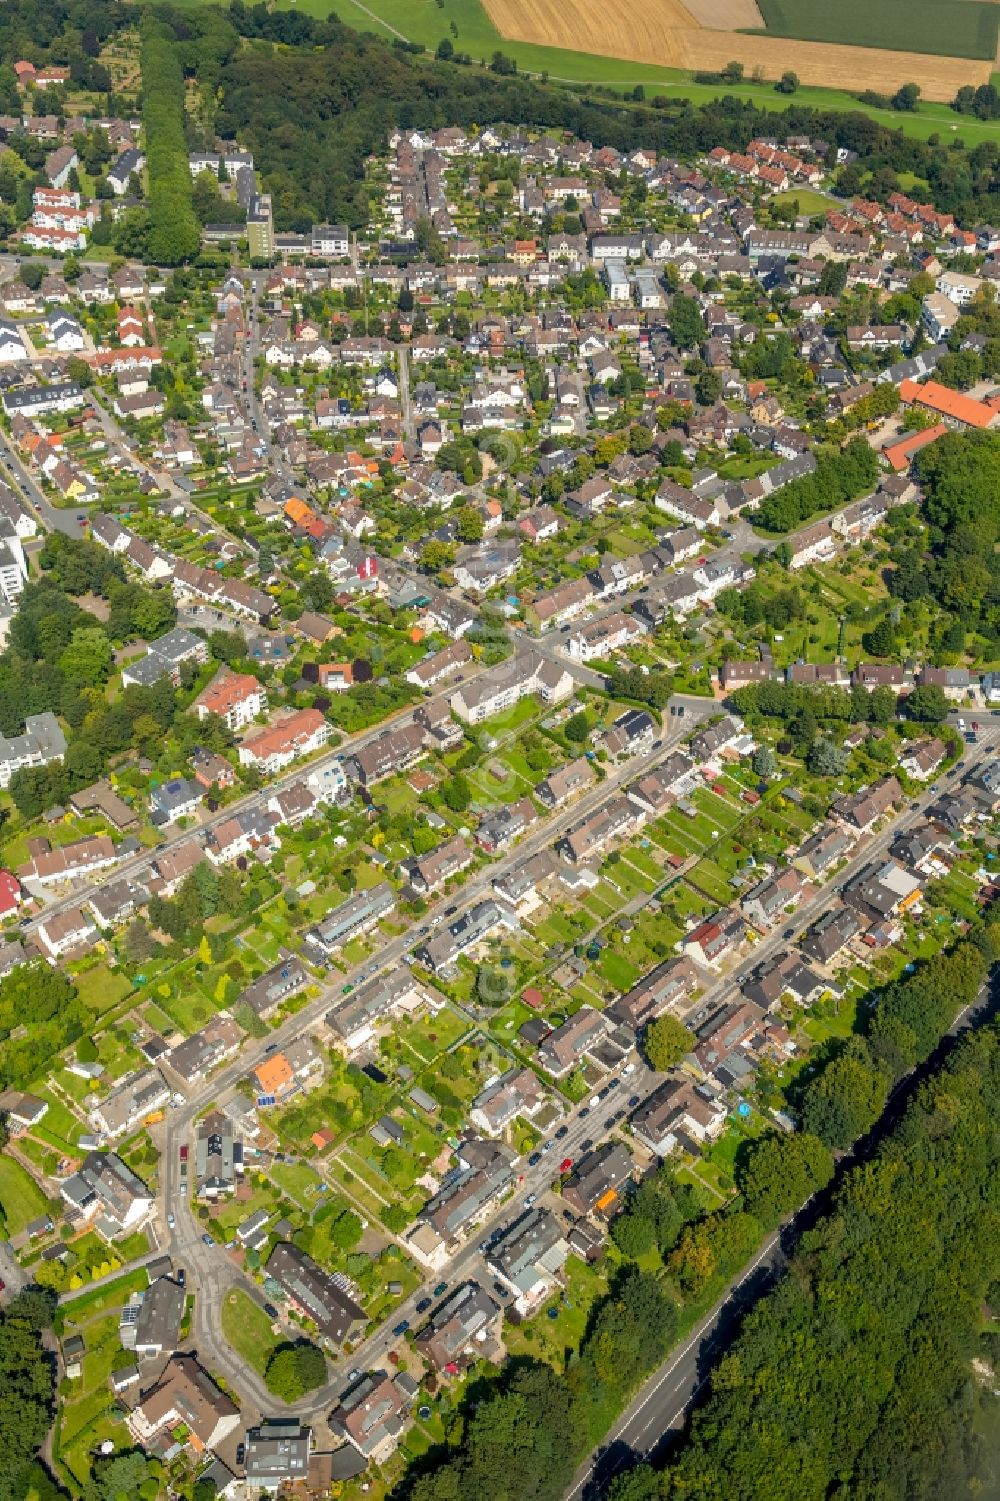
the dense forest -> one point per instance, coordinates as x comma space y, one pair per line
960, 571
27, 1391
839, 477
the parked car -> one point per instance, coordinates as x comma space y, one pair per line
424, 1304
566, 1164
442, 1287
401, 1327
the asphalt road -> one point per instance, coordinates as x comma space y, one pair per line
53, 518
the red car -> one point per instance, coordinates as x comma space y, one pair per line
566, 1164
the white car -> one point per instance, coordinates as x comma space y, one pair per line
171, 1222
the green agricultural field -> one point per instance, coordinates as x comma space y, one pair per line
944, 28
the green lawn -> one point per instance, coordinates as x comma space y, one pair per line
20, 1197
617, 970
556, 1339
100, 988
85, 1417
248, 1329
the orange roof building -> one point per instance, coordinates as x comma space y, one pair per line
298, 512
946, 402
274, 1075
899, 455
236, 697
337, 676
298, 735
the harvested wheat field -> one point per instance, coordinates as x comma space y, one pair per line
725, 15
666, 33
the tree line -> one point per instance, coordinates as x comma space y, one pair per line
173, 233
839, 477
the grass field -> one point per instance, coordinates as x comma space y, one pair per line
20, 1197
944, 28
248, 1329
809, 202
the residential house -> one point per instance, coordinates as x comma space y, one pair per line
236, 697
766, 903
678, 1116
185, 1399
565, 782
711, 940
372, 1415
922, 758
354, 1022
105, 1191
563, 1048
528, 1257
218, 1157
666, 988
829, 934
299, 734
499, 828
516, 1093
485, 1171
616, 819
463, 1330
862, 810
276, 1457
597, 1180
358, 914
316, 1294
